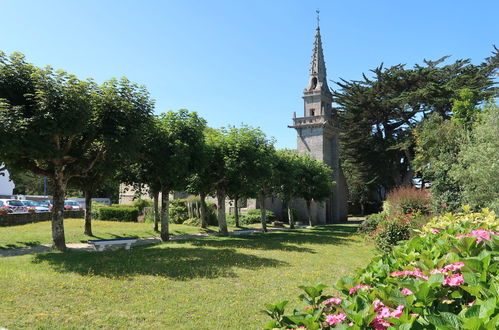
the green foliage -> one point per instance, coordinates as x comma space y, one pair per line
443, 279
251, 217
461, 161
464, 107
140, 204
390, 232
379, 112
192, 222
178, 211
477, 167
438, 143
371, 223
120, 213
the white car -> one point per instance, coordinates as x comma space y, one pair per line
72, 205
37, 205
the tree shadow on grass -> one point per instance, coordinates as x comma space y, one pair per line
289, 240
179, 263
20, 244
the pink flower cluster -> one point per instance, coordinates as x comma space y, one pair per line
480, 235
435, 231
360, 286
455, 266
331, 301
406, 292
453, 280
383, 313
416, 273
333, 319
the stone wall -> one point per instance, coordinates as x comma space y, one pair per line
15, 219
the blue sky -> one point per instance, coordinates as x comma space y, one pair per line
241, 61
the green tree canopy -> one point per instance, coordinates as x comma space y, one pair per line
58, 126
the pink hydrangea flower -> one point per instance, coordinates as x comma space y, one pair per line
454, 266
397, 312
480, 235
360, 286
416, 273
453, 280
437, 271
384, 313
331, 301
377, 305
333, 319
407, 292
350, 324
435, 231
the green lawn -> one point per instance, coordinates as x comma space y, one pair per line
206, 283
40, 232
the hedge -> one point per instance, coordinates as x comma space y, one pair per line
121, 213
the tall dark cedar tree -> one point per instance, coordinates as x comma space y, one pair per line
378, 114
58, 126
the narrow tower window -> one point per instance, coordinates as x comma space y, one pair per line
312, 112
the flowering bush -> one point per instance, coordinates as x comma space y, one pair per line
407, 200
445, 278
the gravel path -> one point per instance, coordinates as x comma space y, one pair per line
140, 241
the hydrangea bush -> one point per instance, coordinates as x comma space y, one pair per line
445, 278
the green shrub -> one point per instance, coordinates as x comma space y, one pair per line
140, 204
254, 216
391, 231
371, 223
193, 222
178, 211
112, 213
211, 214
446, 278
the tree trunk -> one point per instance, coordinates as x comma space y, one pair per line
165, 217
290, 216
362, 208
59, 189
309, 212
236, 212
202, 198
222, 222
156, 210
263, 213
88, 212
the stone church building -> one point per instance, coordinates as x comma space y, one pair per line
317, 136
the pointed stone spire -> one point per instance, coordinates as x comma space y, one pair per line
318, 79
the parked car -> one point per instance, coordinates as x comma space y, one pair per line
4, 208
47, 204
36, 205
15, 205
71, 206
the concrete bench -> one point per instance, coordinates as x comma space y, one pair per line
103, 244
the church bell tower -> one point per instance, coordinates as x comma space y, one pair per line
318, 131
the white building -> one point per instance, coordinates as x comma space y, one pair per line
6, 186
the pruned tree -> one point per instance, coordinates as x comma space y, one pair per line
174, 154
315, 182
58, 126
287, 173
